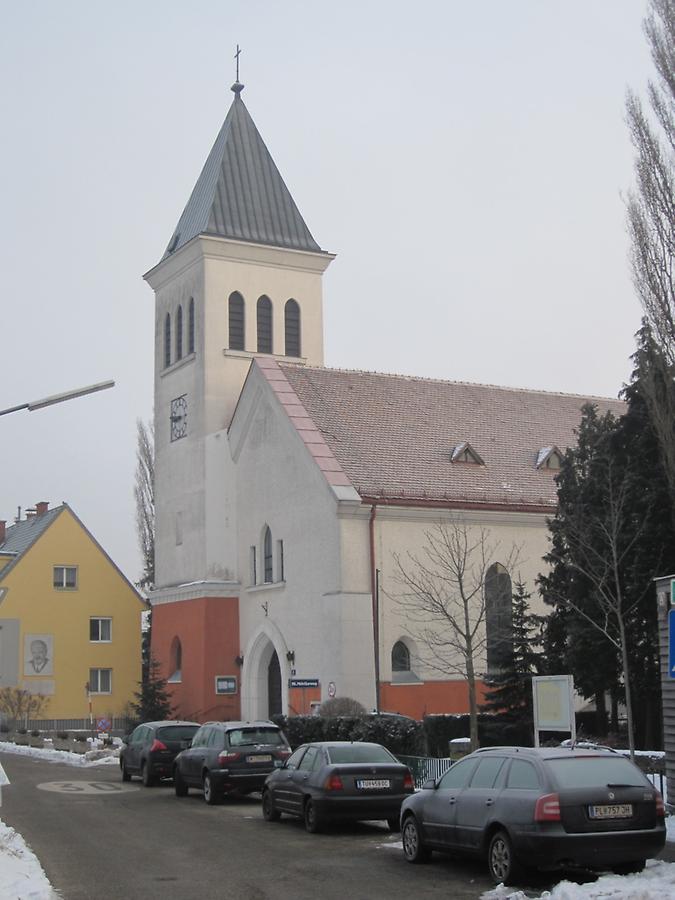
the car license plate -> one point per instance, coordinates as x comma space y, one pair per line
261, 757
372, 784
617, 811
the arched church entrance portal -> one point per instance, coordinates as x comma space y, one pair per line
274, 686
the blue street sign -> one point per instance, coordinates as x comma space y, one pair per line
671, 643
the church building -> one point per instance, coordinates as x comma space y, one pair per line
289, 495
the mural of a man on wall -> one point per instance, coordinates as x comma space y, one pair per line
38, 654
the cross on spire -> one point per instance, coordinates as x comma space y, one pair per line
237, 87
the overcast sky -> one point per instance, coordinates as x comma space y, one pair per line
466, 162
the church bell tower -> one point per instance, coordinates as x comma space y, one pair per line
241, 277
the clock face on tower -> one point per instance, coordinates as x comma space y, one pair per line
178, 419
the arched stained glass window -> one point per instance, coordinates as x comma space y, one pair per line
167, 341
264, 322
179, 333
191, 326
292, 326
267, 556
236, 321
400, 657
498, 617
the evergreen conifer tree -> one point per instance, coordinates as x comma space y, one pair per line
510, 691
153, 701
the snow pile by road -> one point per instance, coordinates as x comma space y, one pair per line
93, 757
21, 875
657, 882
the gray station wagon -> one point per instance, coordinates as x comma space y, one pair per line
522, 808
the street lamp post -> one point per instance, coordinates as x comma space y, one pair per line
59, 398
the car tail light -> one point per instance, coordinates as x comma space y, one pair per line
660, 805
157, 745
547, 808
227, 756
283, 753
408, 783
334, 783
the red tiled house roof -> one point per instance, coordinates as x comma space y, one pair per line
392, 436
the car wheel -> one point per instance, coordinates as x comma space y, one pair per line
503, 865
125, 775
414, 848
629, 868
147, 775
269, 811
394, 823
211, 795
179, 784
313, 822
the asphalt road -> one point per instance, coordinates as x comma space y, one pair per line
146, 843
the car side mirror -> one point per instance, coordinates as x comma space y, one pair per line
125, 739
429, 785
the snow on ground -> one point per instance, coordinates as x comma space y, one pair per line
22, 876
657, 882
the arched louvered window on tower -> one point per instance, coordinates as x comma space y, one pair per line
236, 321
264, 322
292, 323
191, 326
167, 341
267, 556
179, 333
498, 618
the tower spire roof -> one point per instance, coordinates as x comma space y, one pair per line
240, 193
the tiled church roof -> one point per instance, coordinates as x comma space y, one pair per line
393, 436
240, 193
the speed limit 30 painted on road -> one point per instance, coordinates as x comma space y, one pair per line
84, 788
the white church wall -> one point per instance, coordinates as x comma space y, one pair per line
279, 485
401, 531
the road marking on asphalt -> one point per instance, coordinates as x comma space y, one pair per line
95, 788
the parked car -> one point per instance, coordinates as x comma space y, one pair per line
338, 780
150, 749
546, 808
229, 756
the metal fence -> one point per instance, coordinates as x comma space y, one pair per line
425, 767
118, 723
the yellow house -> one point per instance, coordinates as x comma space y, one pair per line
70, 622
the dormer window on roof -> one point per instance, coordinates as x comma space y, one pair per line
549, 458
464, 452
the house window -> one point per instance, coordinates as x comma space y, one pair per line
267, 556
264, 312
176, 662
292, 323
100, 630
280, 561
100, 681
179, 333
236, 321
254, 572
191, 326
65, 578
400, 657
167, 341
498, 617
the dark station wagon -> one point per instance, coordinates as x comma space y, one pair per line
336, 781
538, 808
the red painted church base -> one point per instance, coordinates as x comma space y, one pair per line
208, 631
429, 697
